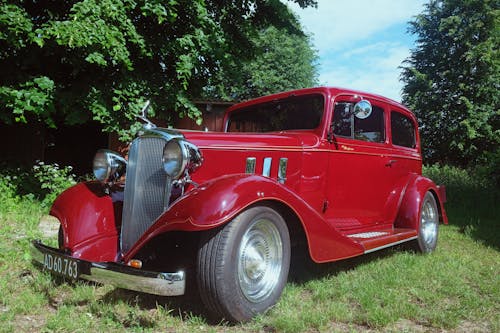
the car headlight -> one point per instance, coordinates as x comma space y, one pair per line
108, 166
180, 155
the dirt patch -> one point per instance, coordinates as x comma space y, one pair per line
470, 327
345, 327
404, 325
49, 226
29, 323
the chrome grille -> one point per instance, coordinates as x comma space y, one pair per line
147, 189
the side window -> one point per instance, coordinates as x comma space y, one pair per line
403, 130
370, 129
302, 112
342, 120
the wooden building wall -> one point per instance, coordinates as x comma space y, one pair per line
24, 144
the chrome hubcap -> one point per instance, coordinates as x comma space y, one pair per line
260, 258
429, 223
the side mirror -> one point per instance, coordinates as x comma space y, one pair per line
362, 109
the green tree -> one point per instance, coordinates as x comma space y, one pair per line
282, 61
452, 80
71, 61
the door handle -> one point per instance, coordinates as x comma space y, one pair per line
390, 163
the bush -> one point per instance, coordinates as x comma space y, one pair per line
463, 187
472, 200
52, 180
456, 178
8, 198
468, 191
43, 182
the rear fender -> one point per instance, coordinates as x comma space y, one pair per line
89, 219
409, 209
218, 201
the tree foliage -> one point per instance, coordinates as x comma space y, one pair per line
71, 61
283, 61
452, 80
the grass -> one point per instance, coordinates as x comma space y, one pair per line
396, 290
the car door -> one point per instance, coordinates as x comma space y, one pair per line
405, 158
359, 178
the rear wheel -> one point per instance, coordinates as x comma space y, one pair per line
428, 226
243, 266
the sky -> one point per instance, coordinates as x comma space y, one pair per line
361, 43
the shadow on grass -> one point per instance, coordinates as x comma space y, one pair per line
182, 307
476, 214
485, 232
190, 305
303, 269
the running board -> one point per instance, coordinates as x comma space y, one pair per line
377, 240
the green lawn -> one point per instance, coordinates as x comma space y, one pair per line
454, 289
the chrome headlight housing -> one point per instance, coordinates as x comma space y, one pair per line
108, 166
180, 156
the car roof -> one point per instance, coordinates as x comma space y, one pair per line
332, 91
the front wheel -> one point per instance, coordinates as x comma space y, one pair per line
243, 266
428, 224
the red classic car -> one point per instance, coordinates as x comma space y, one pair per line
333, 172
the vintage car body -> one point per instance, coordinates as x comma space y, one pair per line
332, 182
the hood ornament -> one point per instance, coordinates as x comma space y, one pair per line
148, 124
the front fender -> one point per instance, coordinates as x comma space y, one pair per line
89, 219
409, 209
218, 201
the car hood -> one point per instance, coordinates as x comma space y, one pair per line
228, 153
278, 140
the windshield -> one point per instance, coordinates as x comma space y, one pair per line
291, 113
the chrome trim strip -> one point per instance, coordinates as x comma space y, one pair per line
266, 168
391, 244
163, 284
250, 166
165, 133
282, 170
121, 276
313, 149
371, 234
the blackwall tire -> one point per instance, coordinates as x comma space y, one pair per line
243, 266
428, 225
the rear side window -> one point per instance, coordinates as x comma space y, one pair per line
370, 129
403, 130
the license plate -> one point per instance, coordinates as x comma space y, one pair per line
65, 266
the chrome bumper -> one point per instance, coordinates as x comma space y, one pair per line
121, 276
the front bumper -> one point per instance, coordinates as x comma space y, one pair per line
119, 275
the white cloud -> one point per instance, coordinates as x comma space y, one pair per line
361, 43
375, 69
337, 23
